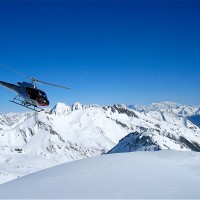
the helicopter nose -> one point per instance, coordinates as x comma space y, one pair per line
47, 102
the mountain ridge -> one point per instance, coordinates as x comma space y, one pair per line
67, 133
170, 107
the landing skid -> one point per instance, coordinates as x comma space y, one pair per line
26, 104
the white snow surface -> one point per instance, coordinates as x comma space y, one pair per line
30, 142
142, 175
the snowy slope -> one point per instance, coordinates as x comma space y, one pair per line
12, 118
37, 141
152, 175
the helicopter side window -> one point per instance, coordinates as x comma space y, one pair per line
28, 91
32, 93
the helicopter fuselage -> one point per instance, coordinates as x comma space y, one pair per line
29, 92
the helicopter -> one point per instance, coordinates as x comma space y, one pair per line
28, 95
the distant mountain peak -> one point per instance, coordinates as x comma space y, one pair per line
169, 107
78, 106
61, 109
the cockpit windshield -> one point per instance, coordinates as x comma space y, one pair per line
42, 94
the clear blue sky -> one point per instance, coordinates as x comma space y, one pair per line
134, 52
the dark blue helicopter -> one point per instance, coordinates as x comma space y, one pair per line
28, 95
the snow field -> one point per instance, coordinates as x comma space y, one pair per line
152, 175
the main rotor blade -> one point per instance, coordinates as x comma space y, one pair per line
31, 78
52, 84
13, 70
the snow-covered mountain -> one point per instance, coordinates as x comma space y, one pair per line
169, 107
12, 118
164, 111
34, 141
138, 175
190, 112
